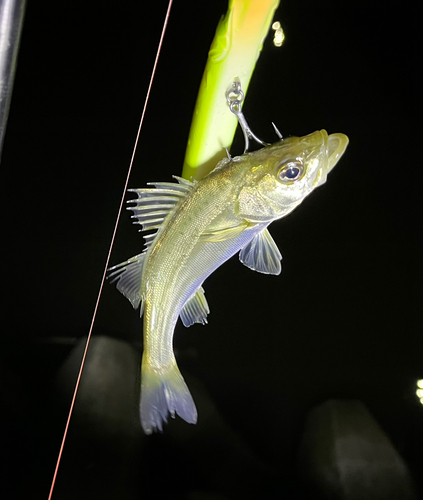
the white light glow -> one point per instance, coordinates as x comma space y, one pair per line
279, 34
420, 383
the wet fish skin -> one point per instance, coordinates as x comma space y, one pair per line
203, 225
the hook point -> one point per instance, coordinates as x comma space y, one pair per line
277, 131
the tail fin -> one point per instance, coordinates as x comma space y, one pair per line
164, 390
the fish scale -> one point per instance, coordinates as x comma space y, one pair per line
208, 222
161, 279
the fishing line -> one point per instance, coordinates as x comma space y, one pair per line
110, 247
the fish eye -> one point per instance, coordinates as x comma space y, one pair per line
290, 171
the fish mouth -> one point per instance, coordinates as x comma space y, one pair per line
333, 147
336, 145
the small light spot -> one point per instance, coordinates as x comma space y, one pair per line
421, 401
420, 383
279, 36
419, 393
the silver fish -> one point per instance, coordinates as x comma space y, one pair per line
200, 225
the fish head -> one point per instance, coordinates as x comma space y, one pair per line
280, 176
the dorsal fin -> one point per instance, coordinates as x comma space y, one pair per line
148, 239
153, 205
128, 277
151, 208
185, 182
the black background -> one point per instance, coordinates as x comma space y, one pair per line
340, 321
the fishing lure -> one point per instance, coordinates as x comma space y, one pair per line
200, 225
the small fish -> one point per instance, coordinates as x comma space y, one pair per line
200, 225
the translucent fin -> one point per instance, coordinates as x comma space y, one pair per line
224, 234
128, 277
151, 221
148, 239
154, 204
164, 391
195, 309
262, 254
179, 188
185, 182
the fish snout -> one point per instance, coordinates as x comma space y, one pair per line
336, 146
333, 147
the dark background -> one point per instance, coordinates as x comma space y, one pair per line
340, 321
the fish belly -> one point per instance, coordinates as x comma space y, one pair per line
206, 257
163, 389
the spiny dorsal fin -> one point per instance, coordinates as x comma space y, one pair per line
262, 254
185, 182
128, 277
148, 239
195, 309
154, 204
151, 208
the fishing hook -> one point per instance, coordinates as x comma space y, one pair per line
235, 106
277, 132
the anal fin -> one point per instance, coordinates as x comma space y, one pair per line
195, 309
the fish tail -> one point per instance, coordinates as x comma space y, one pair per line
163, 391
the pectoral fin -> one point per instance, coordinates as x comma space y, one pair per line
262, 254
223, 234
195, 309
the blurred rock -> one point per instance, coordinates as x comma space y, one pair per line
108, 396
111, 457
102, 451
345, 455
